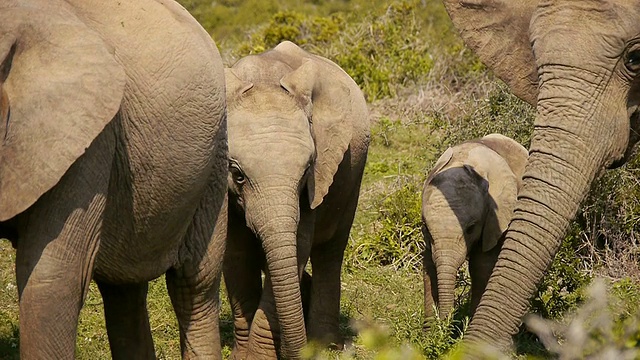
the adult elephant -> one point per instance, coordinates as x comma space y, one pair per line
579, 63
113, 166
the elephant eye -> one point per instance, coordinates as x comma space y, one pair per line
236, 174
633, 61
469, 229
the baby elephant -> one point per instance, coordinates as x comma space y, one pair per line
298, 137
467, 202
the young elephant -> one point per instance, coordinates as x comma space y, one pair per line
298, 139
467, 202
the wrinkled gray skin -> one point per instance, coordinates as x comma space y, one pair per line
578, 62
467, 203
113, 168
293, 186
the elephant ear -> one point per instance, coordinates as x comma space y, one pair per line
442, 161
502, 193
60, 86
324, 92
511, 151
498, 31
234, 85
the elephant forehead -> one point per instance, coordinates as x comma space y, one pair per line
471, 153
482, 159
571, 32
453, 194
267, 95
270, 141
260, 114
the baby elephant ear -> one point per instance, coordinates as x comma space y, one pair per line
333, 100
443, 160
60, 86
503, 193
510, 150
498, 31
234, 85
301, 83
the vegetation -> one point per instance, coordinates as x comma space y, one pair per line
426, 93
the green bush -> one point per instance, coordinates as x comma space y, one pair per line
385, 52
502, 112
596, 330
394, 237
293, 26
380, 52
443, 335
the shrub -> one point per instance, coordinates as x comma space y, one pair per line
501, 112
293, 26
394, 237
443, 335
380, 52
385, 52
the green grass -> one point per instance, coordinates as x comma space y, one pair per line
426, 93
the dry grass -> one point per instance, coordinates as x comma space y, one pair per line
591, 331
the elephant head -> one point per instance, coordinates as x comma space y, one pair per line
578, 62
467, 203
43, 64
289, 127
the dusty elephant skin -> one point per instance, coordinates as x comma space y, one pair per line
578, 62
467, 203
298, 139
113, 167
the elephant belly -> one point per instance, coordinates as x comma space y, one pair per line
152, 199
140, 240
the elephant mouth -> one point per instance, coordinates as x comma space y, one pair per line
634, 138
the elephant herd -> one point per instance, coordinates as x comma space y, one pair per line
130, 152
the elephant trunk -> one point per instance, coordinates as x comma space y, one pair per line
277, 227
564, 159
447, 261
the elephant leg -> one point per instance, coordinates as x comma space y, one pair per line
194, 283
243, 262
326, 264
59, 239
127, 320
480, 267
264, 335
430, 279
324, 312
264, 339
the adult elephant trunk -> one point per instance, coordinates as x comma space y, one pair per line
447, 261
571, 143
276, 222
